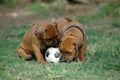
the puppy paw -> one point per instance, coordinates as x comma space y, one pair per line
42, 62
28, 57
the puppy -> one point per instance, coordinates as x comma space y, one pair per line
37, 39
72, 39
61, 25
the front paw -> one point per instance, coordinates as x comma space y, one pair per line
28, 57
42, 62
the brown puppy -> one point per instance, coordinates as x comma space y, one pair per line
61, 25
37, 39
72, 39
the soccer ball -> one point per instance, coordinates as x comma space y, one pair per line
52, 55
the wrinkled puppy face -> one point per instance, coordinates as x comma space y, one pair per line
50, 34
68, 49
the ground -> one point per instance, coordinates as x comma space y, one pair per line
20, 16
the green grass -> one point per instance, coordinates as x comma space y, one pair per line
108, 15
102, 54
48, 8
6, 4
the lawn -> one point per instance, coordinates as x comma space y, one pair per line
102, 54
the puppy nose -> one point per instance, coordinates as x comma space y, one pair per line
62, 59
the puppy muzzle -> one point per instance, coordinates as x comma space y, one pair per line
62, 59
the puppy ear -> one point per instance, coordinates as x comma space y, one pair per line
40, 29
76, 48
60, 40
68, 19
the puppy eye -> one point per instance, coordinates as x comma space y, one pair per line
68, 52
46, 30
49, 39
56, 36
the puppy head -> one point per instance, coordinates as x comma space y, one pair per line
68, 49
48, 32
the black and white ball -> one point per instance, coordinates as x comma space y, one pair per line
52, 55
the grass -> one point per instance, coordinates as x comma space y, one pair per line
102, 54
48, 8
109, 15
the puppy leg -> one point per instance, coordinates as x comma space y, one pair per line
23, 54
82, 52
38, 54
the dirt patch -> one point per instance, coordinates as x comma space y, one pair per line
21, 17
